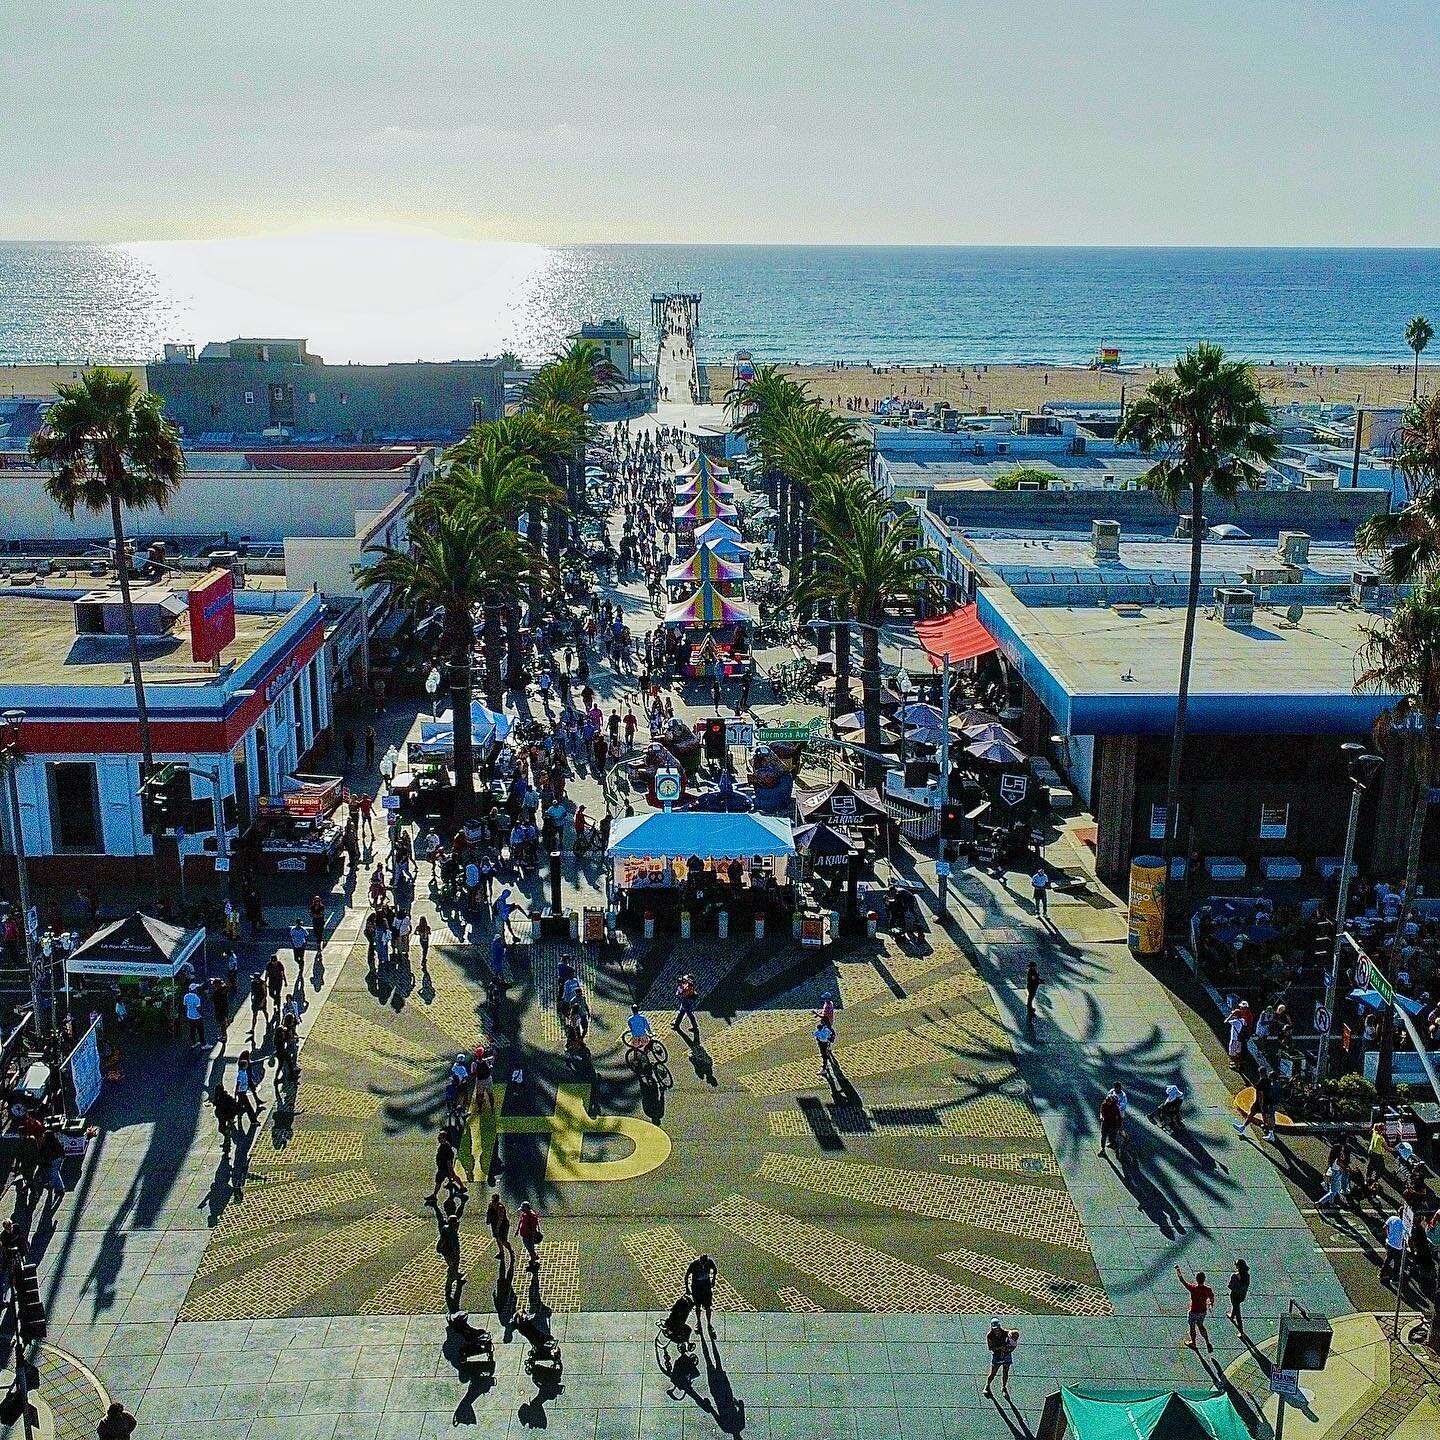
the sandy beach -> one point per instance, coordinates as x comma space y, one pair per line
1027, 387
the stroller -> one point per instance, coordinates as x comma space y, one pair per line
544, 1353
476, 1345
675, 1328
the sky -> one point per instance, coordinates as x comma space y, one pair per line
1166, 122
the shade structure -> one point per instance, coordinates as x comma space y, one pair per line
993, 731
139, 946
918, 713
958, 635
714, 531
706, 564
702, 465
699, 484
712, 835
1147, 1415
824, 847
705, 507
973, 719
841, 804
996, 752
706, 609
437, 737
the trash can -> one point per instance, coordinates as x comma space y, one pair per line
684, 924
722, 925
649, 924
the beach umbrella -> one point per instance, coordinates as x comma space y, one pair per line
918, 713
973, 719
995, 731
996, 752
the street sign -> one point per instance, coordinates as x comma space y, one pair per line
222, 864
390, 802
1368, 977
740, 732
1322, 1020
1286, 1384
795, 731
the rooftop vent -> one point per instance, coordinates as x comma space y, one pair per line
1235, 605
1266, 575
1105, 541
1365, 589
1293, 547
100, 612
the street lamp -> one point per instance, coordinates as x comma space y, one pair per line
10, 757
1364, 766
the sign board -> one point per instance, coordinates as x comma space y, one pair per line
1274, 822
1157, 821
1322, 1020
211, 604
1368, 977
669, 786
740, 732
390, 803
795, 731
1013, 788
1347, 1037
222, 864
84, 1068
1286, 1384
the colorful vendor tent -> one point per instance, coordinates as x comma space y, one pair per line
703, 507
712, 835
706, 564
701, 466
139, 947
1142, 1415
718, 533
706, 609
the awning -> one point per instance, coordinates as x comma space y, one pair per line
960, 635
706, 609
1149, 1415
709, 834
138, 946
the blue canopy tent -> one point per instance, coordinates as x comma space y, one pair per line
653, 843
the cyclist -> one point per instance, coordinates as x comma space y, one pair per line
638, 1025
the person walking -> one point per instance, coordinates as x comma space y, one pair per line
1112, 1122
1001, 1350
422, 939
257, 1001
700, 1287
194, 1017
297, 944
445, 1173
1394, 1250
220, 1004
686, 994
447, 1246
1032, 989
247, 1086
1039, 891
825, 1043
1239, 1287
497, 1218
527, 1227
1202, 1302
1261, 1107
275, 981
1337, 1183
317, 922
223, 1103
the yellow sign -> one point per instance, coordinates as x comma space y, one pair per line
1147, 905
567, 1129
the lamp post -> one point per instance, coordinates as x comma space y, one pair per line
1364, 766
10, 757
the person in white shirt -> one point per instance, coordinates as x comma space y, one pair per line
195, 1017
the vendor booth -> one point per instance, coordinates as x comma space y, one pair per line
724, 539
698, 863
702, 466
844, 807
1075, 1414
706, 609
149, 961
295, 831
706, 566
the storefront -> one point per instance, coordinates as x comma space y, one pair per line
296, 832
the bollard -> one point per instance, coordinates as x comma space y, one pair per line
722, 925
574, 927
871, 921
760, 925
684, 924
834, 918
649, 924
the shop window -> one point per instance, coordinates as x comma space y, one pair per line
74, 806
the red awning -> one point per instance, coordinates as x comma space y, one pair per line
960, 635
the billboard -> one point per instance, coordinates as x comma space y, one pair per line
212, 615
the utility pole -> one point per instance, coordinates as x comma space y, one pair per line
10, 757
941, 866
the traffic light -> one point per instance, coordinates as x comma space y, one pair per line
165, 799
714, 739
30, 1306
952, 820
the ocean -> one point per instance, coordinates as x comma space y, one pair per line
376, 297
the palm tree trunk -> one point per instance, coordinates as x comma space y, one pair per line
555, 535
1384, 1062
843, 700
870, 682
782, 523
1182, 693
514, 660
1415, 389
122, 570
494, 669
464, 738
535, 537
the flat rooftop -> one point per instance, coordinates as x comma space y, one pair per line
959, 470
39, 646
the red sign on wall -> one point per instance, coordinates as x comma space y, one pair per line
212, 615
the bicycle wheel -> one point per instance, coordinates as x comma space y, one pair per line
632, 1058
660, 1053
661, 1077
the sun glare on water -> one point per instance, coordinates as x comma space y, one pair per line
358, 296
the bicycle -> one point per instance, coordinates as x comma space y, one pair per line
648, 1062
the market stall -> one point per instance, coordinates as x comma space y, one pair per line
698, 862
724, 538
146, 961
295, 831
706, 566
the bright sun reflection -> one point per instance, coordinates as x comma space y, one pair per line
357, 296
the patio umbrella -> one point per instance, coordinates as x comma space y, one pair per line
826, 849
996, 731
918, 713
973, 719
996, 752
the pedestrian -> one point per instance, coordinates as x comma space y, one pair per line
369, 748
497, 958
445, 1172
1239, 1287
367, 824
1032, 989
1376, 1148
194, 1017
275, 980
686, 993
1394, 1249
1039, 886
223, 1103
482, 1080
1001, 1350
349, 742
1337, 1183
257, 1000
825, 1043
1112, 1122
248, 1073
297, 944
497, 1217
52, 1158
1261, 1107
1202, 1302
527, 1227
700, 1287
116, 1424
220, 1004
422, 938
317, 922
447, 1246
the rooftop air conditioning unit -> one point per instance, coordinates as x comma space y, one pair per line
1365, 589
1236, 605
1002, 447
1105, 541
1293, 547
1267, 575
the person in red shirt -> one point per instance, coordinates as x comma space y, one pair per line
527, 1227
1202, 1301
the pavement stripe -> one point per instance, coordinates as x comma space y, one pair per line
295, 1200
336, 1102
880, 1055
418, 1286
953, 987
1066, 1295
755, 1031
874, 1280
798, 1303
662, 1256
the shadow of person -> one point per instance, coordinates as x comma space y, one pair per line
222, 1186
729, 1409
652, 1102
532, 1413
317, 973
842, 1092
1015, 1422
700, 1061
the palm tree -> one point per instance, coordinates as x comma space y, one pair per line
1405, 543
1402, 657
759, 408
110, 447
870, 559
1208, 423
1418, 334
459, 558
